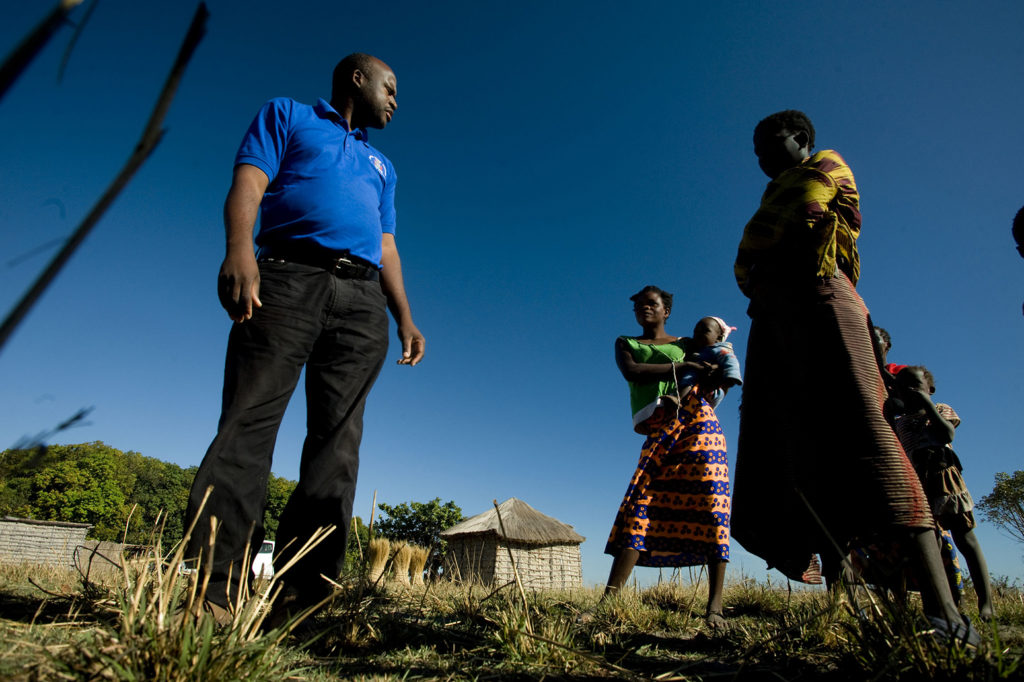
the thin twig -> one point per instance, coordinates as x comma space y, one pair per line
498, 589
359, 543
151, 136
50, 593
373, 508
39, 440
696, 588
66, 57
515, 571
843, 557
18, 60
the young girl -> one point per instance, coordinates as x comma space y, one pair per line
925, 430
676, 508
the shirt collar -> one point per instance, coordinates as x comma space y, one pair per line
325, 110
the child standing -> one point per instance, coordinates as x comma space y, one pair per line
925, 430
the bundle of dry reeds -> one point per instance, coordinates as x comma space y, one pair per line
417, 562
400, 562
377, 555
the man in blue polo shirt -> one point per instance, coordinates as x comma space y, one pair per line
314, 294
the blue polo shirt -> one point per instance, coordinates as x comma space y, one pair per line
328, 186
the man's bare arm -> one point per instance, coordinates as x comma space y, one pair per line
238, 285
413, 343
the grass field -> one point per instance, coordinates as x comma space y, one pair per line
54, 625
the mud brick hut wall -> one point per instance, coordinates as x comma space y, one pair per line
545, 550
50, 543
541, 567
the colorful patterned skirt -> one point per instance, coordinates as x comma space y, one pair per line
676, 508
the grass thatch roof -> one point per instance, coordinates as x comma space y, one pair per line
522, 522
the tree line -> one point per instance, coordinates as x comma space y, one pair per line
124, 495
127, 496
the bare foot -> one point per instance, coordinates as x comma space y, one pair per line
716, 622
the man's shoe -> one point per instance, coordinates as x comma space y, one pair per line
294, 609
222, 616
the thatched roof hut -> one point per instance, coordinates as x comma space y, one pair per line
546, 551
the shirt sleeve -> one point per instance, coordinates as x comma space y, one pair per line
948, 413
264, 143
387, 201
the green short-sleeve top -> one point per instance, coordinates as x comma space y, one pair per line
643, 397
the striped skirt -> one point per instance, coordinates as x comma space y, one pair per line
817, 465
676, 508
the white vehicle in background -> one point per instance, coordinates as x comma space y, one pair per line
263, 562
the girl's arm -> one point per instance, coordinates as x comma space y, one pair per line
939, 427
644, 373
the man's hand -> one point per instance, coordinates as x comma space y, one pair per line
238, 285
391, 282
413, 344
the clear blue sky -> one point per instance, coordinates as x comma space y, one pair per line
553, 158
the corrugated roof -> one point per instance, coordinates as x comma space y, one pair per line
522, 523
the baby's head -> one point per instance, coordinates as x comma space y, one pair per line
709, 331
915, 378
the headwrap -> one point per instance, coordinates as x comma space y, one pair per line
726, 329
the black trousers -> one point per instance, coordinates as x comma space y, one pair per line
337, 329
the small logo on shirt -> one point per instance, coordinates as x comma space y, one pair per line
379, 165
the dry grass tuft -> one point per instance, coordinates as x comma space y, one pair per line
399, 562
151, 626
417, 563
377, 554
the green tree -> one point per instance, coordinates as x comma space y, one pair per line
98, 484
85, 485
17, 469
278, 491
1004, 506
160, 495
420, 523
123, 494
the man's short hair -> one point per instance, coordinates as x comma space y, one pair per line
792, 120
885, 337
1018, 228
666, 298
341, 81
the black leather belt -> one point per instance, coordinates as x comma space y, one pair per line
344, 266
